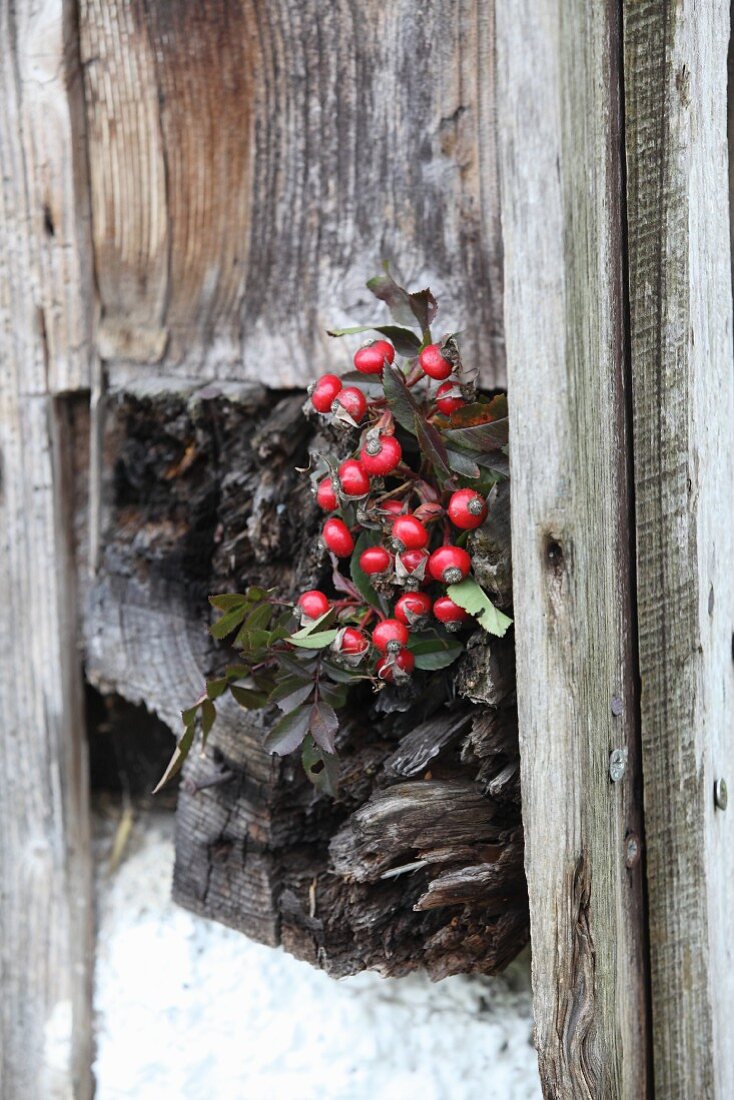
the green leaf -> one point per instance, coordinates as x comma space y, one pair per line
288, 733
462, 463
405, 342
434, 653
259, 617
179, 755
208, 718
297, 664
424, 307
340, 675
215, 688
400, 400
320, 640
228, 622
322, 768
479, 412
335, 694
247, 698
309, 628
226, 601
432, 447
324, 725
472, 598
290, 692
395, 298
481, 438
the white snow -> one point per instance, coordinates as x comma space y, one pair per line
189, 1010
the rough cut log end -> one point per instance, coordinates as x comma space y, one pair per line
418, 864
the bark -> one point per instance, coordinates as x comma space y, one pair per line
418, 863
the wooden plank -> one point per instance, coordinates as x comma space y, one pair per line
559, 139
252, 164
683, 396
45, 306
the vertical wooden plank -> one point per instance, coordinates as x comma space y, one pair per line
683, 390
45, 308
560, 142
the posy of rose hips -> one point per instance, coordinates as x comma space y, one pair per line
325, 495
338, 537
413, 608
380, 456
352, 401
433, 363
395, 666
390, 636
324, 391
353, 479
375, 559
371, 358
449, 564
448, 399
313, 603
467, 509
409, 533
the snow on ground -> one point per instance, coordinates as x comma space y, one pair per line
189, 1010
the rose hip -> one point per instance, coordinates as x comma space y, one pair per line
467, 509
313, 603
409, 533
395, 667
352, 401
433, 363
380, 456
412, 608
354, 481
375, 559
324, 391
371, 358
449, 564
338, 537
325, 495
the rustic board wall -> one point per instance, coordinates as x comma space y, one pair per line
683, 398
252, 164
46, 354
560, 140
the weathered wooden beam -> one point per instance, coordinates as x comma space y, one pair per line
253, 163
560, 146
46, 302
683, 399
419, 862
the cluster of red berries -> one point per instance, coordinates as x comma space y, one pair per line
405, 514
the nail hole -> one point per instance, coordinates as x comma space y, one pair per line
553, 553
48, 221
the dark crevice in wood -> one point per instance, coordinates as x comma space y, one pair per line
419, 861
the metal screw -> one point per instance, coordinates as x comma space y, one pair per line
632, 853
616, 706
617, 764
721, 796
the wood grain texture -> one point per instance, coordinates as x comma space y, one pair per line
45, 305
202, 495
683, 390
252, 164
559, 140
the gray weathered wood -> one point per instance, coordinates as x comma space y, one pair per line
45, 306
253, 163
683, 398
559, 140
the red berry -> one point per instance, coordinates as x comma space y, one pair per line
390, 635
412, 607
409, 533
313, 603
433, 363
325, 495
338, 538
375, 559
325, 390
467, 509
412, 560
393, 507
449, 564
352, 640
354, 480
448, 404
352, 401
400, 664
448, 612
370, 359
381, 456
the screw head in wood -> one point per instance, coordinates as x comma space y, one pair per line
721, 795
617, 764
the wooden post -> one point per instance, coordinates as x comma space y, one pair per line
560, 145
45, 310
683, 397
